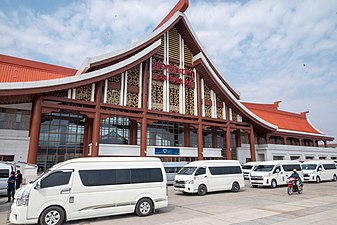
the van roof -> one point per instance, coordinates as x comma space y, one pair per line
108, 159
201, 162
318, 161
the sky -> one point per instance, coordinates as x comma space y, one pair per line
280, 50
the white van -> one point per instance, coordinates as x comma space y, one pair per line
274, 173
92, 187
5, 170
247, 168
319, 170
171, 169
209, 175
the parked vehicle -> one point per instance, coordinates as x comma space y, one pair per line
92, 187
274, 173
209, 175
247, 168
319, 170
5, 170
171, 169
292, 187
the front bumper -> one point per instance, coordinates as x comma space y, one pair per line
19, 215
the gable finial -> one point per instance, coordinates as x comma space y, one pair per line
181, 6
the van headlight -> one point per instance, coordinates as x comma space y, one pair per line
23, 199
189, 182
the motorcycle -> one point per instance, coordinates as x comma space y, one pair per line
292, 187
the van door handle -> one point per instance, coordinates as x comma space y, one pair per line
65, 191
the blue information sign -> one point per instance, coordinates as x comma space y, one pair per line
167, 151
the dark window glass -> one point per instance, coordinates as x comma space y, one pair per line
221, 170
146, 175
291, 167
123, 176
329, 166
4, 173
56, 179
120, 176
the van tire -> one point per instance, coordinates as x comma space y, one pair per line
334, 177
144, 207
318, 179
235, 187
53, 215
202, 190
273, 183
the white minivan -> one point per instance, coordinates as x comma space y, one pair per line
209, 175
274, 173
92, 187
5, 170
247, 168
319, 170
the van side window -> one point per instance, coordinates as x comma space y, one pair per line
56, 179
120, 176
329, 166
291, 167
4, 173
277, 169
200, 171
221, 170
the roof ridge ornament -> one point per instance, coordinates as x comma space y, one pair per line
181, 6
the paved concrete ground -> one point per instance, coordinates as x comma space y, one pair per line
317, 205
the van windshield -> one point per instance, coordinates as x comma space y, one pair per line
309, 166
264, 168
187, 170
247, 167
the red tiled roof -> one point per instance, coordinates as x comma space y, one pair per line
14, 69
181, 6
282, 119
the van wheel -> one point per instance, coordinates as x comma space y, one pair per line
318, 179
144, 207
334, 177
52, 216
273, 184
235, 187
202, 190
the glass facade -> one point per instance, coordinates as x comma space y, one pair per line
14, 119
61, 138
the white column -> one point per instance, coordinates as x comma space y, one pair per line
74, 93
140, 85
125, 87
122, 90
69, 93
105, 91
92, 92
150, 85
195, 93
202, 96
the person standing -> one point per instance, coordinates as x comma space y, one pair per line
18, 179
11, 186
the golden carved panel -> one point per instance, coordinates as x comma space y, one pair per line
189, 101
157, 95
174, 44
219, 112
113, 97
132, 99
207, 92
174, 98
84, 93
208, 111
133, 76
116, 78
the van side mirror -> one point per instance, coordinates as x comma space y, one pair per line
37, 186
